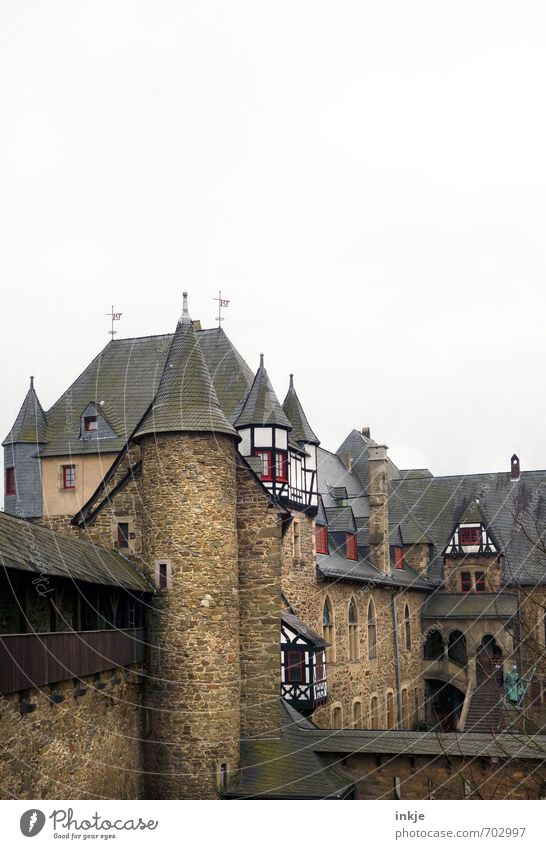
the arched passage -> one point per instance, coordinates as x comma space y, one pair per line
434, 647
456, 649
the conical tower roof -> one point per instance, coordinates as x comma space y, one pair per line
262, 406
301, 429
30, 426
185, 399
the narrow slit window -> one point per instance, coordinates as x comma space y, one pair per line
123, 535
10, 488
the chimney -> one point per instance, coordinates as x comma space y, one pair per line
347, 460
514, 468
379, 508
365, 431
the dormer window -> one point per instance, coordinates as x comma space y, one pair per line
470, 536
10, 488
398, 557
350, 547
322, 540
91, 424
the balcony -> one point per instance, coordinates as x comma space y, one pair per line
35, 660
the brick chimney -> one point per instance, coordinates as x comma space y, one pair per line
379, 508
514, 468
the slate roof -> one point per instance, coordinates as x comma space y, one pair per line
336, 566
301, 628
31, 423
469, 744
470, 606
333, 475
512, 511
32, 548
122, 382
186, 399
301, 429
261, 406
356, 445
285, 767
340, 519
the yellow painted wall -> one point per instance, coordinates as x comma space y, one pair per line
90, 471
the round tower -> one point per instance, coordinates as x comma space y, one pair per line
191, 724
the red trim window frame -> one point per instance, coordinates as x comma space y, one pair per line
350, 547
321, 534
479, 582
265, 456
281, 466
399, 557
466, 582
69, 476
470, 536
91, 424
294, 667
10, 482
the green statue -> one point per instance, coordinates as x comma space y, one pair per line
514, 685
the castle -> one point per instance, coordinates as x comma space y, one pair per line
198, 600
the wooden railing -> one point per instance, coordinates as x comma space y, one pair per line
34, 660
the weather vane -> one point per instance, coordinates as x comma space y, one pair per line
115, 316
221, 303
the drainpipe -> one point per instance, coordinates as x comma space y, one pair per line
396, 659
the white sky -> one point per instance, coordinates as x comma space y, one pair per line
365, 181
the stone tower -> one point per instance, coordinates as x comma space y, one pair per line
191, 721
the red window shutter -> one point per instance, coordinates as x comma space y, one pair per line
350, 547
399, 557
10, 487
90, 423
466, 582
322, 540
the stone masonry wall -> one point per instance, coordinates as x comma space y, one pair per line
490, 566
84, 748
352, 682
188, 490
259, 536
437, 777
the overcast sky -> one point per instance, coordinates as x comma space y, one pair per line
365, 181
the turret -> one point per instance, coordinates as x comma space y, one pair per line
188, 493
22, 478
303, 463
264, 428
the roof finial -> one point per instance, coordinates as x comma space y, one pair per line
32, 381
291, 381
185, 317
261, 360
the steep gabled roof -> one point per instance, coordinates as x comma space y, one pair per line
261, 406
31, 423
186, 399
231, 376
301, 429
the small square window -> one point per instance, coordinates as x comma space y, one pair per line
91, 423
470, 536
10, 488
69, 477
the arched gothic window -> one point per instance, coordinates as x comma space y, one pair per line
352, 619
328, 631
372, 631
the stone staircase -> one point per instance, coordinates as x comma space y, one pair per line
485, 709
